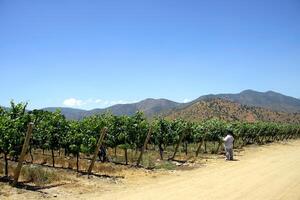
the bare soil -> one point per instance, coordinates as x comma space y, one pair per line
260, 172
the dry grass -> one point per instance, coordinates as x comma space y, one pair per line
39, 175
151, 160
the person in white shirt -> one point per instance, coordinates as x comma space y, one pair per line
228, 144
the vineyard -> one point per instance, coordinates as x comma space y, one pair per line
132, 136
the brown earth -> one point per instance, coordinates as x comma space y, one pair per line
230, 111
260, 172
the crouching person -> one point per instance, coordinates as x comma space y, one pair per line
102, 154
228, 144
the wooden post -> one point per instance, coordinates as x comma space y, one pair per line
144, 147
178, 144
219, 145
23, 153
103, 132
199, 147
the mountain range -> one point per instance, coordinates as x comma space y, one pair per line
263, 102
150, 107
270, 99
230, 111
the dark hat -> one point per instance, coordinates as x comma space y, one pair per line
230, 132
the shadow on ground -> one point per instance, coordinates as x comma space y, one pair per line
26, 186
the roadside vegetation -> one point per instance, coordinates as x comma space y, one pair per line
58, 142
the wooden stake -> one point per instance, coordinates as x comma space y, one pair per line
144, 147
199, 147
23, 153
177, 146
102, 134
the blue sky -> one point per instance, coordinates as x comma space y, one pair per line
94, 53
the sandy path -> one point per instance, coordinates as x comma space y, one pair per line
261, 172
268, 172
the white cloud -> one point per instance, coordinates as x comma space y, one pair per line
186, 100
93, 103
72, 102
120, 102
98, 101
105, 102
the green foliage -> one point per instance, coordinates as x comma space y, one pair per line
53, 132
214, 130
13, 125
50, 130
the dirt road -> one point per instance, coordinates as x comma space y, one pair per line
268, 172
260, 172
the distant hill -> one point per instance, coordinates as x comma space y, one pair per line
153, 107
4, 108
150, 107
230, 111
271, 100
69, 113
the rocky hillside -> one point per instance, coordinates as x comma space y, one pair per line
230, 111
271, 100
